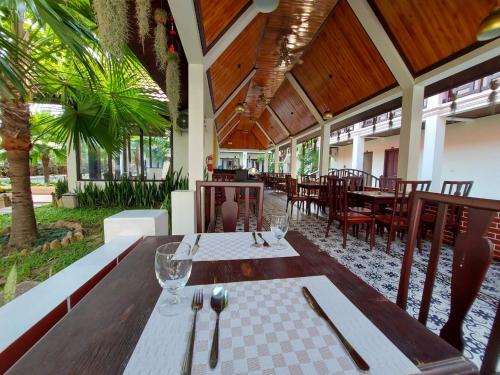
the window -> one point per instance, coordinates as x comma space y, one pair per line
142, 157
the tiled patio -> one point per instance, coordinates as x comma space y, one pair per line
381, 271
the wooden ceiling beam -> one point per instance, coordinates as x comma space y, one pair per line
278, 120
264, 132
305, 98
229, 36
235, 92
382, 42
464, 62
227, 122
221, 141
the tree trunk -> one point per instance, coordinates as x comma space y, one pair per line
16, 137
46, 171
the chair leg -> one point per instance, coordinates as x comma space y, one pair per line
372, 230
328, 227
344, 243
389, 239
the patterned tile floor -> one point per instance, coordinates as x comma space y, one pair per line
381, 271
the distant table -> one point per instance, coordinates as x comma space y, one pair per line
374, 198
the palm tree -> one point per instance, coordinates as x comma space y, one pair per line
32, 33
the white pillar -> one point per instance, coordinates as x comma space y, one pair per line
293, 157
266, 161
196, 124
244, 161
409, 138
358, 151
209, 142
324, 156
432, 158
276, 159
71, 167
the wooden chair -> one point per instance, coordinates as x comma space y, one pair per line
454, 215
397, 219
387, 183
322, 199
337, 189
472, 256
205, 214
293, 196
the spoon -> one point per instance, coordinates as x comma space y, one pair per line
255, 243
218, 302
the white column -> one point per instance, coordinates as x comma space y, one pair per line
276, 159
409, 138
432, 158
293, 157
358, 151
244, 161
324, 156
196, 124
266, 161
71, 166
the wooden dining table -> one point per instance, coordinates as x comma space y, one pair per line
99, 334
375, 198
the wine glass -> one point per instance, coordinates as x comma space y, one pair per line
279, 227
173, 262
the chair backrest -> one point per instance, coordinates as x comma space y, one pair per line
354, 183
337, 196
291, 186
472, 256
205, 213
459, 188
388, 183
402, 205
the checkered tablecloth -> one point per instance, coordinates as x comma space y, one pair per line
268, 328
237, 245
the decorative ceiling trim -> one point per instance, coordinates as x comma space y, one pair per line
382, 42
305, 98
278, 120
225, 40
263, 131
227, 122
229, 132
235, 92
466, 61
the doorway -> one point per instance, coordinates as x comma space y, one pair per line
391, 162
367, 162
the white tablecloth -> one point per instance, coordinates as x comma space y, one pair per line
237, 245
269, 328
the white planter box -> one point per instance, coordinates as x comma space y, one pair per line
136, 222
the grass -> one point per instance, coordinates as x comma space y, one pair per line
39, 266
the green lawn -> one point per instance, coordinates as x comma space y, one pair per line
38, 265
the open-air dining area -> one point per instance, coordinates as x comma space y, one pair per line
250, 187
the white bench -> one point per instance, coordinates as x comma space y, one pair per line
24, 320
141, 222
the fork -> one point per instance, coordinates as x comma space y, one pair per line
196, 305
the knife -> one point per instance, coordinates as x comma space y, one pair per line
195, 247
266, 244
358, 360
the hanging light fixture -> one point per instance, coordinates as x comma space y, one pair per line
490, 26
240, 107
266, 6
327, 115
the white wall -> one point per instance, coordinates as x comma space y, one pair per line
472, 152
180, 151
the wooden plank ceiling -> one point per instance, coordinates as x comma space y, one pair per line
430, 33
333, 58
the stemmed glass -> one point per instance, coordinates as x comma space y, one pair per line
279, 227
173, 262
